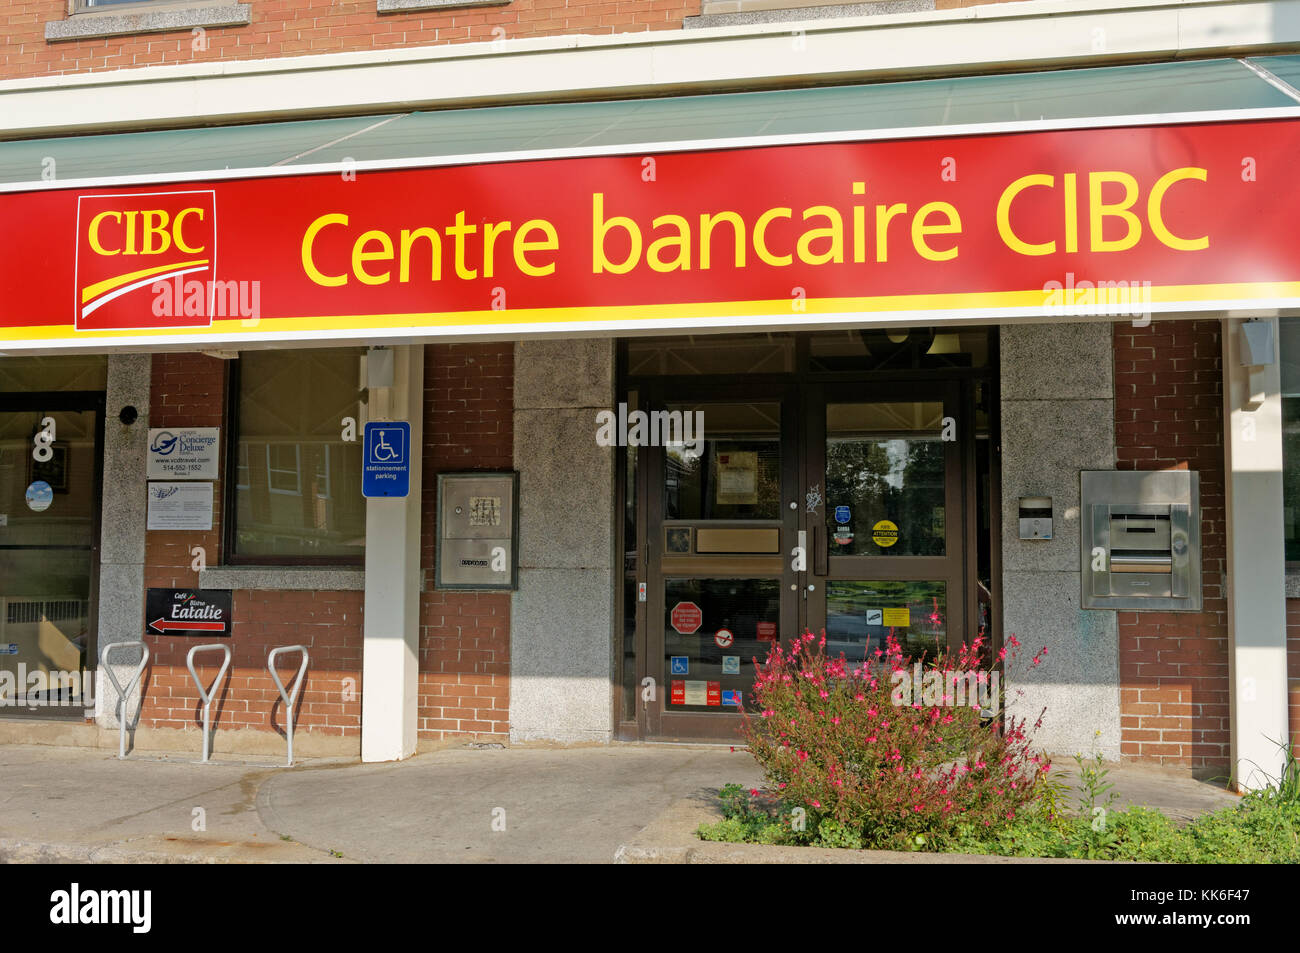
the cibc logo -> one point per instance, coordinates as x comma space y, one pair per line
127, 243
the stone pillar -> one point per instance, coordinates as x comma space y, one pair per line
1058, 418
123, 503
562, 617
1257, 664
390, 655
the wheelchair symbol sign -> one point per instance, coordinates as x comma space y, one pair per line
386, 470
381, 451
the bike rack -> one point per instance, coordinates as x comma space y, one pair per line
122, 693
203, 695
292, 697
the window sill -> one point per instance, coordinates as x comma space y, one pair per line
744, 12
316, 578
80, 26
416, 6
1293, 583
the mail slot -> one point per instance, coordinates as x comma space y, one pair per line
1140, 539
478, 531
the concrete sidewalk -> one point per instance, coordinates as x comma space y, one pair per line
529, 804
460, 804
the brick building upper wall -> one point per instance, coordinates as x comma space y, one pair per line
298, 27
42, 38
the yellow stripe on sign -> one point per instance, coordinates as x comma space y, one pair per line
108, 284
1239, 294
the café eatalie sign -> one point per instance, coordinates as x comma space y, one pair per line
1166, 218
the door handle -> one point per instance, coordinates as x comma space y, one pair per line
819, 550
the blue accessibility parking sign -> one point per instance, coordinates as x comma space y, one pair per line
386, 465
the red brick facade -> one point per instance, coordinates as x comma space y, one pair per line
1174, 665
189, 390
464, 636
298, 27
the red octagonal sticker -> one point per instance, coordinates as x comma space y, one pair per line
687, 618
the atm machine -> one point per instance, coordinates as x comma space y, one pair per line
1140, 535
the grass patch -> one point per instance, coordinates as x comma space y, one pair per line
1264, 828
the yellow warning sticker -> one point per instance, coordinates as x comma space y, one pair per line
885, 534
898, 617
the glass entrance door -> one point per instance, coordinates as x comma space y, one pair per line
886, 555
49, 530
719, 587
782, 503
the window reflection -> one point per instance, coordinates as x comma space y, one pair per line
861, 615
297, 483
737, 472
885, 479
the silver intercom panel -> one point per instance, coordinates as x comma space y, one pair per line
1141, 539
478, 531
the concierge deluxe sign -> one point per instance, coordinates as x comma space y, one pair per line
976, 226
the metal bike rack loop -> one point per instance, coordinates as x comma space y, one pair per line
203, 694
292, 696
123, 693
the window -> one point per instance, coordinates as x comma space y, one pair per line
1289, 354
82, 6
282, 464
99, 18
296, 492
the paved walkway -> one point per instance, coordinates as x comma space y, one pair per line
460, 804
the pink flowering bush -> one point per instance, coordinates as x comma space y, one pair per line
833, 739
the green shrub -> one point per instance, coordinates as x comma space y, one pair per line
841, 745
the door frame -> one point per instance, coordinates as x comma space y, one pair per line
959, 547
73, 401
753, 386
656, 722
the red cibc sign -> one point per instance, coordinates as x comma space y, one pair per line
1035, 223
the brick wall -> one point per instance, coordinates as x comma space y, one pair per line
298, 27
464, 636
188, 390
1174, 665
328, 623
